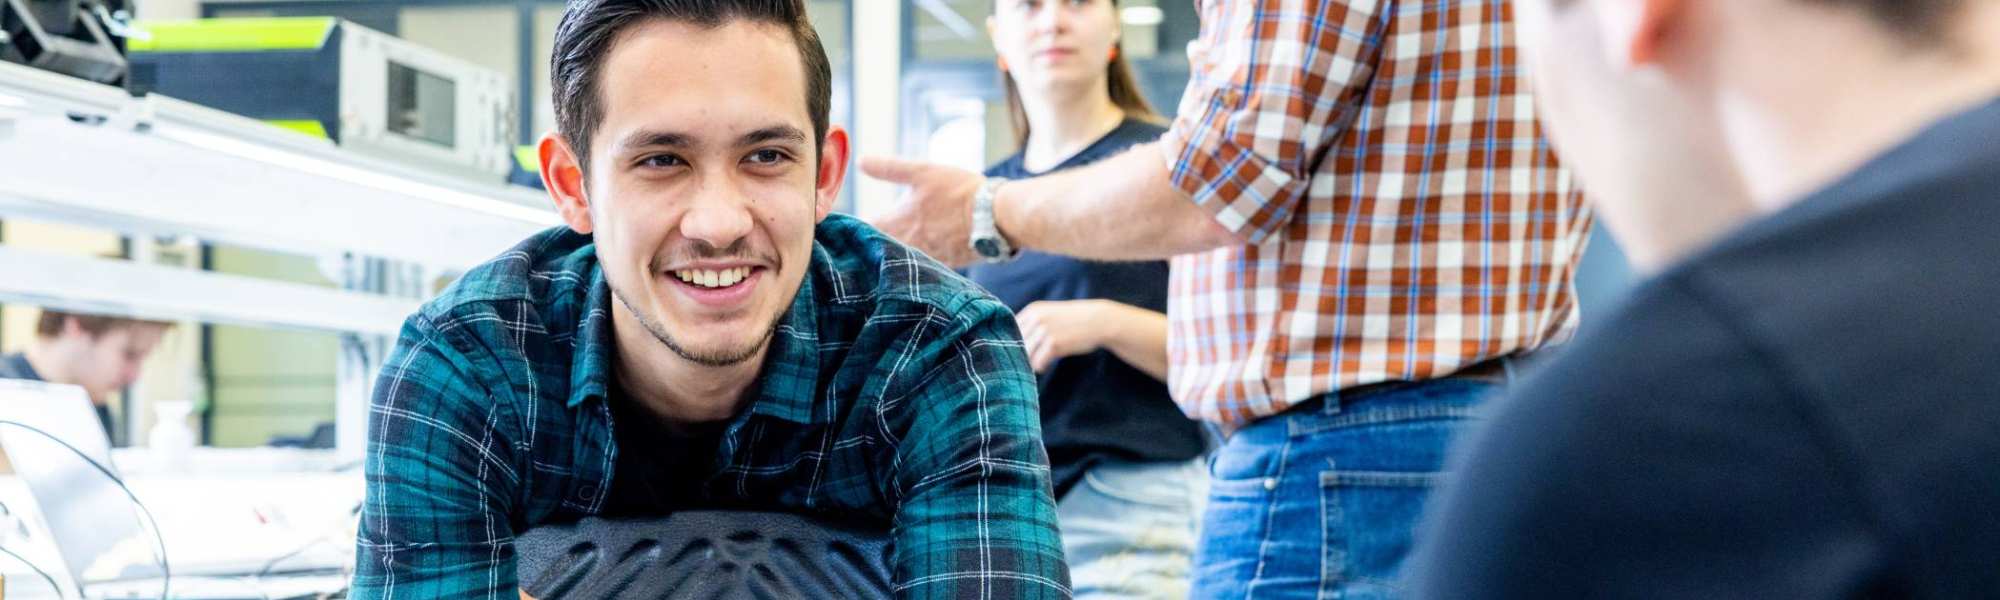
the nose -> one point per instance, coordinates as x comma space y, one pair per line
719, 216
1052, 18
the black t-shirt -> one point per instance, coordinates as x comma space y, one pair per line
1095, 406
659, 469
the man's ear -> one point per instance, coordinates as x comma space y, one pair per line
1637, 31
563, 176
832, 169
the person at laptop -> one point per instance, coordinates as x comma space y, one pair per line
704, 334
100, 354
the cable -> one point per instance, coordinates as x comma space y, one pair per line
257, 579
281, 558
316, 541
38, 570
166, 574
271, 565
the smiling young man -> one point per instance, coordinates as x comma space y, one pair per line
704, 334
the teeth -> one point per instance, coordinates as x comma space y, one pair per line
713, 278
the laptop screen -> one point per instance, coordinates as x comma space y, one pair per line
97, 529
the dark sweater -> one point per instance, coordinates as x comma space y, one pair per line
1809, 409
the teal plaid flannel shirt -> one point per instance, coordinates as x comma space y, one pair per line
893, 390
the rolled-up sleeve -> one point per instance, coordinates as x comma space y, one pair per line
1273, 83
441, 482
977, 516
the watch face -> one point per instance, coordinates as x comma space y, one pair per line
987, 247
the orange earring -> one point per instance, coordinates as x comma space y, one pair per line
1114, 54
1003, 63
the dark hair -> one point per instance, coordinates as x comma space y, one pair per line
1124, 89
50, 324
589, 27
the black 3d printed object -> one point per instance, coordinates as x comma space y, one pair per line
705, 555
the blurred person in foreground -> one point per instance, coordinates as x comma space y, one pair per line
1801, 402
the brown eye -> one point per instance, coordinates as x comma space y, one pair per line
661, 161
767, 157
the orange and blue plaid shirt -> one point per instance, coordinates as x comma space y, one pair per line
1403, 213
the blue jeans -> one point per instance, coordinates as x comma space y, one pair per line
1322, 501
1128, 529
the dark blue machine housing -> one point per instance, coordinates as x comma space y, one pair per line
270, 85
284, 85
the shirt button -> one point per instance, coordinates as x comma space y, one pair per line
1270, 483
587, 492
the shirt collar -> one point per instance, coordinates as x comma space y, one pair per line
790, 378
591, 362
784, 388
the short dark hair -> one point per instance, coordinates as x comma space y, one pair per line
589, 27
50, 324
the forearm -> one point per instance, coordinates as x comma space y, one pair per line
1138, 337
980, 524
441, 479
1123, 208
422, 537
977, 517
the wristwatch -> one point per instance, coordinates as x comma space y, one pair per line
986, 240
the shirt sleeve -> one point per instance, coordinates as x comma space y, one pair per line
435, 520
1272, 83
977, 516
1664, 457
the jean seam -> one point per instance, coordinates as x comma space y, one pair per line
1381, 416
1385, 479
1332, 559
1270, 516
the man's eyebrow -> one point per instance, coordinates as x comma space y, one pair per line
652, 138
777, 133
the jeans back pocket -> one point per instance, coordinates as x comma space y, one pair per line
1370, 519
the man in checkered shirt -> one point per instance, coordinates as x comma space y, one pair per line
1366, 227
703, 334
